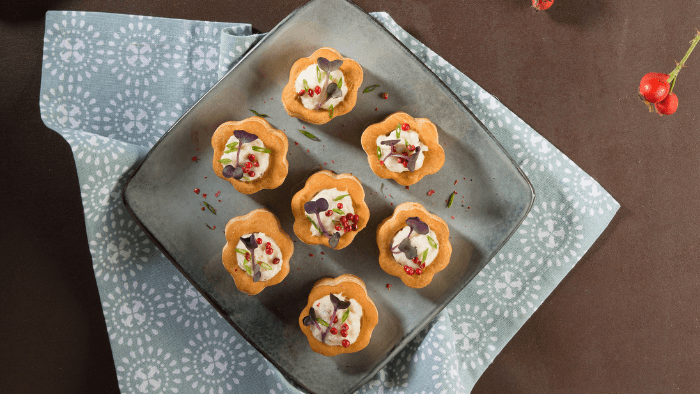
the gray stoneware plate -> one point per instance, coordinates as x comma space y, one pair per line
494, 196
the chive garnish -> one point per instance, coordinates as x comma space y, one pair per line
257, 114
432, 242
309, 135
338, 211
370, 88
210, 208
340, 197
225, 161
345, 315
451, 200
330, 111
261, 149
241, 251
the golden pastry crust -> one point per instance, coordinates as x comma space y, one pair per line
352, 287
274, 139
328, 180
352, 77
388, 228
257, 221
434, 157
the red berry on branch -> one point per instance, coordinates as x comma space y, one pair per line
408, 270
405, 126
334, 330
301, 92
311, 93
541, 5
667, 106
345, 343
654, 87
385, 96
317, 90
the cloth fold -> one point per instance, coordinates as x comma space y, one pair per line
113, 84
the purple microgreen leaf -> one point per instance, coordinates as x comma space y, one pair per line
335, 64
332, 91
257, 114
334, 300
249, 242
309, 135
333, 241
390, 142
413, 159
323, 63
312, 313
308, 321
236, 172
322, 204
310, 207
417, 225
244, 137
227, 172
408, 249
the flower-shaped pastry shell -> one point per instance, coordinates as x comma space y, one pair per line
433, 160
352, 78
390, 226
352, 287
257, 221
273, 139
328, 180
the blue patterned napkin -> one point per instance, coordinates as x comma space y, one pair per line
113, 84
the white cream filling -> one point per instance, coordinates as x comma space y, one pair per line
324, 310
330, 195
309, 74
260, 256
421, 243
247, 149
392, 163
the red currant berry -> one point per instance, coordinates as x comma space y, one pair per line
256, 164
408, 270
196, 191
248, 165
381, 162
416, 260
667, 106
422, 265
275, 261
405, 164
311, 93
345, 343
344, 327
251, 157
349, 216
268, 245
354, 227
317, 90
301, 92
343, 333
334, 330
419, 271
268, 251
355, 218
247, 256
343, 220
385, 96
654, 87
329, 212
251, 174
337, 227
259, 241
335, 320
340, 205
412, 148
541, 5
405, 127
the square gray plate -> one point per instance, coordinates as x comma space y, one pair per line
493, 194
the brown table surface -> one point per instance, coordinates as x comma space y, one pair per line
624, 320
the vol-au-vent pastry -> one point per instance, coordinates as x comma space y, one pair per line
403, 148
322, 86
339, 316
250, 154
330, 210
257, 251
413, 244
